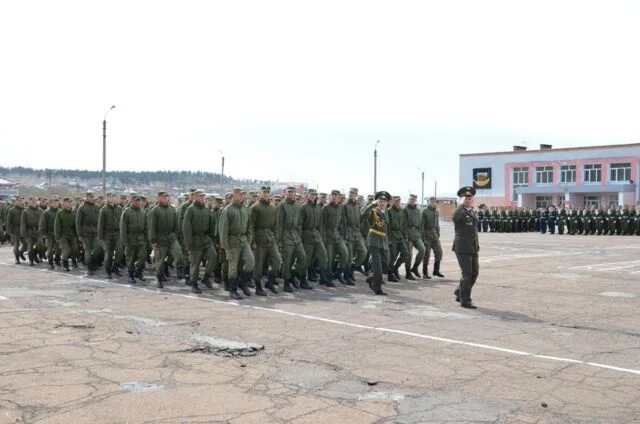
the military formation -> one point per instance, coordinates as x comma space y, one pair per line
249, 243
572, 220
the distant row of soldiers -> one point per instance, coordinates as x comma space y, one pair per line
623, 220
240, 240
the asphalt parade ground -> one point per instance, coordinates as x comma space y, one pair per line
555, 339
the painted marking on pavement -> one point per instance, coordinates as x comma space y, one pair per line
359, 326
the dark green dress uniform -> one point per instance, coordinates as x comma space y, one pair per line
263, 222
377, 242
288, 237
87, 230
29, 222
66, 237
397, 237
353, 237
181, 211
163, 234
14, 216
332, 230
47, 231
236, 237
413, 219
466, 248
430, 230
109, 236
132, 234
312, 239
198, 233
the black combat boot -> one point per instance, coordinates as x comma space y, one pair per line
233, 289
132, 279
294, 281
74, 263
195, 288
206, 281
180, 273
409, 275
108, 275
31, 259
436, 270
303, 283
259, 290
391, 277
245, 277
225, 283
425, 272
415, 272
348, 278
167, 274
17, 255
311, 276
116, 270
65, 265
287, 286
324, 280
139, 276
22, 256
271, 280
160, 281
57, 260
340, 277
217, 277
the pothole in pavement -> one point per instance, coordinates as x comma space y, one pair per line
223, 347
140, 387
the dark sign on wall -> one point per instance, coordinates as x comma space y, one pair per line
482, 178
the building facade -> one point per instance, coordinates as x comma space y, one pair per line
579, 176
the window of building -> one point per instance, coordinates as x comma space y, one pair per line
592, 200
544, 175
620, 172
567, 174
593, 173
520, 179
543, 201
613, 200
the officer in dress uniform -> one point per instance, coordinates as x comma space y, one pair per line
466, 246
377, 240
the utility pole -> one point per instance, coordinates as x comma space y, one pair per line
435, 190
104, 151
375, 168
422, 196
222, 176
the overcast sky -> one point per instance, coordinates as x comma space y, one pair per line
297, 90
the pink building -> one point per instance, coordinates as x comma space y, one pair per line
597, 175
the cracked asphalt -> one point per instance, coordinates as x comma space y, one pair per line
556, 339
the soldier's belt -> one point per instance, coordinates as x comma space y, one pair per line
378, 233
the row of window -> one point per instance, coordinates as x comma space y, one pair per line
546, 201
618, 172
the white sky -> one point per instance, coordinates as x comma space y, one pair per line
298, 90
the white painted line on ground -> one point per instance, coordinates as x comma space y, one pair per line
4, 298
352, 325
607, 264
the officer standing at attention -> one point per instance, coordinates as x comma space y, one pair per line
377, 240
466, 246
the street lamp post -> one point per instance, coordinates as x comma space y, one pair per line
375, 167
104, 151
222, 175
422, 194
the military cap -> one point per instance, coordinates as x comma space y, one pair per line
467, 191
253, 193
219, 199
89, 193
396, 197
291, 188
135, 197
192, 190
123, 196
277, 197
266, 188
100, 198
66, 199
237, 190
78, 197
198, 193
20, 198
335, 192
162, 193
312, 191
415, 196
32, 198
55, 198
42, 198
143, 197
371, 197
353, 190
110, 194
209, 197
322, 194
384, 195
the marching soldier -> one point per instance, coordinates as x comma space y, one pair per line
47, 230
466, 246
65, 233
87, 230
198, 233
29, 223
398, 242
312, 239
236, 237
332, 230
288, 237
431, 235
14, 216
109, 234
377, 241
413, 219
132, 234
263, 222
163, 236
353, 237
